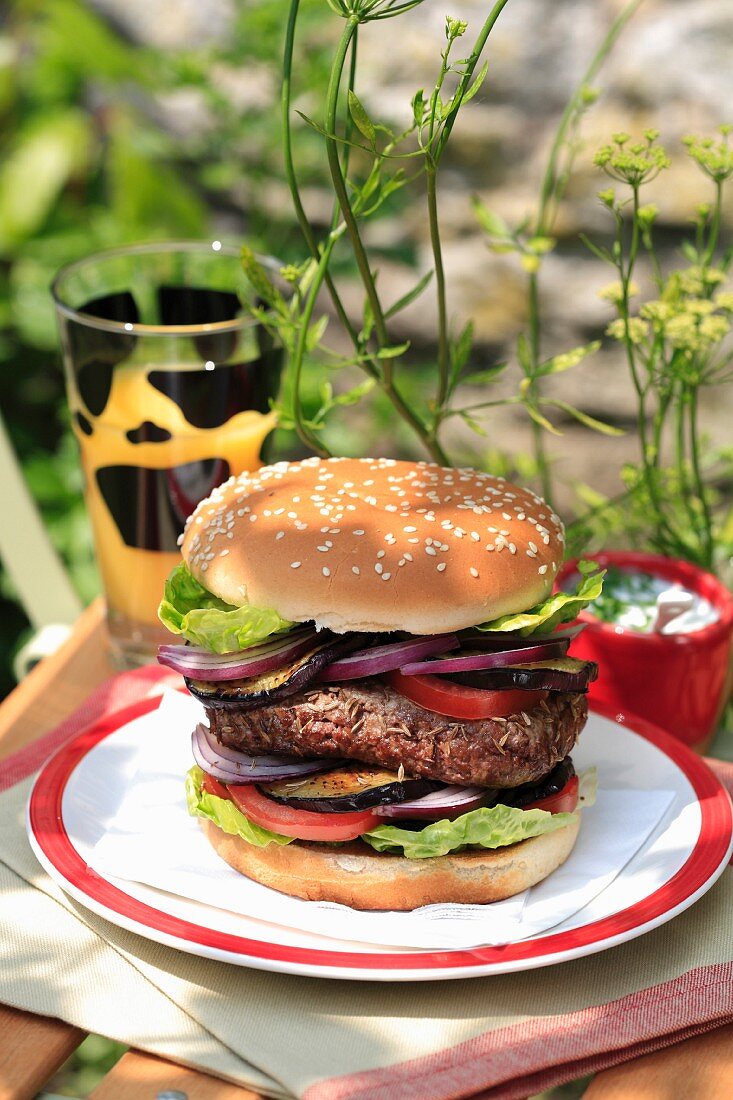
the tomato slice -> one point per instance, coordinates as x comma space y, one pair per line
458, 701
302, 824
213, 786
562, 802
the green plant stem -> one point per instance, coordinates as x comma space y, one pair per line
291, 176
714, 225
707, 529
443, 349
387, 379
626, 275
538, 433
304, 433
549, 192
339, 184
681, 464
467, 75
369, 366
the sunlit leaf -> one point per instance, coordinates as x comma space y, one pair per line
568, 359
489, 221
361, 119
411, 295
475, 87
586, 418
393, 352
543, 422
36, 170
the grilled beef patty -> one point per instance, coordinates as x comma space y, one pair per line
368, 721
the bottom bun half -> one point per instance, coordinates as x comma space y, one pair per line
356, 876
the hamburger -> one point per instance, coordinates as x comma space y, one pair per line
390, 708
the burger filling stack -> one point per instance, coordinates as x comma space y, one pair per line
390, 705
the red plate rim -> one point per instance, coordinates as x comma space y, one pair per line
47, 826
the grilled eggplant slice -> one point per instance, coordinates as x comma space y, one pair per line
560, 674
551, 784
351, 787
258, 691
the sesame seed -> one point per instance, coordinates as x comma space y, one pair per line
410, 529
295, 565
378, 568
381, 553
473, 571
408, 556
440, 567
358, 532
355, 569
223, 553
326, 571
323, 549
431, 550
280, 535
542, 569
386, 576
475, 536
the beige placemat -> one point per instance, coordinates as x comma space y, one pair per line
503, 1036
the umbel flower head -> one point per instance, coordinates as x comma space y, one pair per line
634, 162
366, 11
685, 314
714, 158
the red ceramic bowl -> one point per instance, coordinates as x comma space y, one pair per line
678, 681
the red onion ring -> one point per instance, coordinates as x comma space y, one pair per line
247, 769
449, 803
475, 662
385, 658
199, 664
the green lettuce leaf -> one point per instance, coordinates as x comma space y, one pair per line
487, 827
189, 609
225, 814
560, 607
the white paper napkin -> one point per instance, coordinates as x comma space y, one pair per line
151, 839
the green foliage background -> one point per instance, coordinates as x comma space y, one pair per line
85, 164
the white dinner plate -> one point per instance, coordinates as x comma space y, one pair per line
78, 791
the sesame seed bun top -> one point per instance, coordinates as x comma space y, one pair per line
375, 544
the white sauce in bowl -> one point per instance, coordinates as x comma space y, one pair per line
649, 604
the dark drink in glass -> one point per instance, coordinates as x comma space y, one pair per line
170, 383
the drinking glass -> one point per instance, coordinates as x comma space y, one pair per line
169, 382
